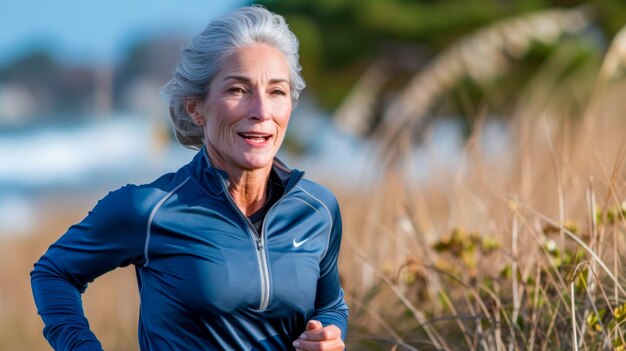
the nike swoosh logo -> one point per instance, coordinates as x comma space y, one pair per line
297, 244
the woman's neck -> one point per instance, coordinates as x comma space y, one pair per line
248, 187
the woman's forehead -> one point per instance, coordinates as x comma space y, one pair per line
256, 61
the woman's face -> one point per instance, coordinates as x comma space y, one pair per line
247, 108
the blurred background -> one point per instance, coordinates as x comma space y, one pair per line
453, 132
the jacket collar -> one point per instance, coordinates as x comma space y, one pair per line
211, 177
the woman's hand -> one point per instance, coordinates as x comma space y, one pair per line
318, 338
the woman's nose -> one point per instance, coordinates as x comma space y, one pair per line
259, 108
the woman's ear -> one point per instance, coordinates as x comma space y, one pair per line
194, 109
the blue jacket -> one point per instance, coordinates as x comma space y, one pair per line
207, 280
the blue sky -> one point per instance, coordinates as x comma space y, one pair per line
96, 31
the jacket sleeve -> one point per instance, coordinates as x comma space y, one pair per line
330, 307
107, 238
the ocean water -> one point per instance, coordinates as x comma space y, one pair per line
74, 159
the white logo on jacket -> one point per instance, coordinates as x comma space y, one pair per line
297, 244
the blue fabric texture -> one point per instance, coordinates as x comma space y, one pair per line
207, 279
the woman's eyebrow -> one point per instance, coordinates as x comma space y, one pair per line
238, 78
248, 80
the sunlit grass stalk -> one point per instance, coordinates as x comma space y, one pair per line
559, 180
534, 313
437, 340
575, 238
553, 319
514, 275
380, 321
573, 316
594, 243
614, 179
595, 309
498, 313
450, 305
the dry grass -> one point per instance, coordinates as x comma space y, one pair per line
507, 254
111, 303
520, 251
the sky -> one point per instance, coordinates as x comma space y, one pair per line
97, 31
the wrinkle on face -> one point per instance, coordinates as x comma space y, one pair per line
246, 112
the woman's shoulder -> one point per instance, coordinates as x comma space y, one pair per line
318, 191
139, 199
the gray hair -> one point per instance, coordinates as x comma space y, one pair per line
203, 57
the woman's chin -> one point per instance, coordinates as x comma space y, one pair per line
257, 162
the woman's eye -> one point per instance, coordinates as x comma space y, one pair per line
279, 92
236, 90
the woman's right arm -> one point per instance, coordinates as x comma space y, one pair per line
109, 237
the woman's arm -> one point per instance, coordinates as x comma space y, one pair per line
107, 238
329, 323
330, 307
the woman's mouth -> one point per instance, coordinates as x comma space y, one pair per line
255, 138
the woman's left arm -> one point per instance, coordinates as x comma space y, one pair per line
330, 308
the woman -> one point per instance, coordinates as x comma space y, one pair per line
234, 251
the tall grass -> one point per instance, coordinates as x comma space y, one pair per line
110, 303
522, 250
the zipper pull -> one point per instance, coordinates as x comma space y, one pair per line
259, 244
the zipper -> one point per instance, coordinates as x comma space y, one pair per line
260, 249
259, 241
